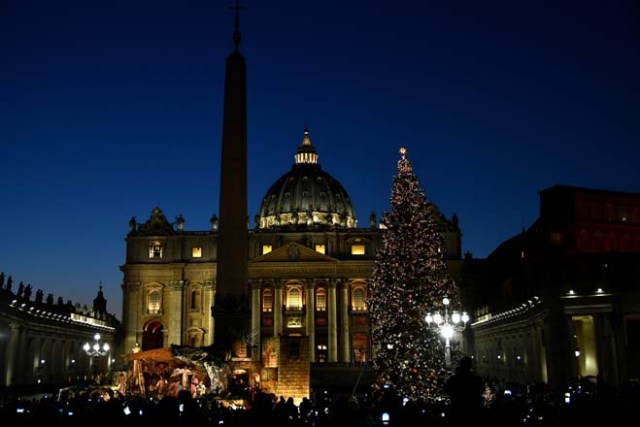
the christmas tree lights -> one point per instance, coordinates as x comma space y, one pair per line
409, 280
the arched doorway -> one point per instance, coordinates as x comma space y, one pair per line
152, 335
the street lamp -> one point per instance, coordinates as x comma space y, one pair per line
40, 371
446, 325
96, 349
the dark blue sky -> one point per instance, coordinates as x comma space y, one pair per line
110, 108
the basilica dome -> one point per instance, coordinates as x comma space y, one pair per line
306, 197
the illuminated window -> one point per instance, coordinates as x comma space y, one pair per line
155, 250
320, 248
267, 301
555, 237
321, 300
358, 295
196, 252
266, 249
357, 249
294, 298
359, 345
322, 353
154, 302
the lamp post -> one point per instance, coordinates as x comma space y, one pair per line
96, 350
446, 324
40, 371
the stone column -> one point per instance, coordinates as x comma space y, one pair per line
256, 314
309, 289
175, 315
40, 351
344, 322
277, 309
208, 298
68, 354
22, 365
166, 340
606, 347
538, 363
134, 305
11, 354
333, 323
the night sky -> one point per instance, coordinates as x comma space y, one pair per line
111, 108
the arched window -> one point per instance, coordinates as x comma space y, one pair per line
358, 297
321, 299
195, 300
294, 298
154, 301
155, 250
267, 301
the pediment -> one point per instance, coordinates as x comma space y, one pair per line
293, 252
156, 225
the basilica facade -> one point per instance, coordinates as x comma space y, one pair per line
309, 265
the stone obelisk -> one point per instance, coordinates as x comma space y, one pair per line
231, 309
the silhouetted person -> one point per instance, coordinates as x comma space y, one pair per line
465, 389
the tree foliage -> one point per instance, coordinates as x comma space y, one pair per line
410, 278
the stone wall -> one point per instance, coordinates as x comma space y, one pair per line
293, 368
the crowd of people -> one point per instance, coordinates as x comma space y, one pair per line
467, 400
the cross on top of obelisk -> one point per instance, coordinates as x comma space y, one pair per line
236, 32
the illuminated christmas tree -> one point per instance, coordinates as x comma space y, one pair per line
410, 279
